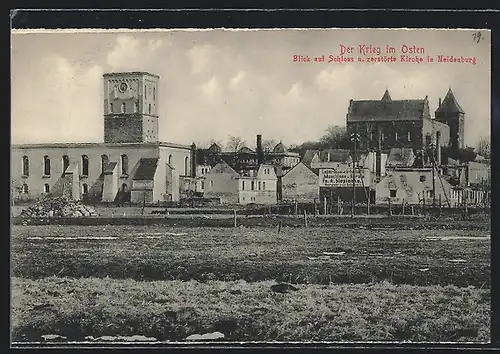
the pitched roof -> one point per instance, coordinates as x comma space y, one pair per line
401, 157
299, 165
146, 169
387, 109
386, 96
223, 167
214, 148
308, 156
335, 155
246, 150
280, 148
450, 104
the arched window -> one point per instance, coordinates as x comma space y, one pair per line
124, 188
124, 164
104, 162
149, 108
46, 188
24, 189
85, 188
124, 107
110, 108
46, 166
170, 160
85, 165
65, 163
186, 166
145, 92
26, 166
136, 107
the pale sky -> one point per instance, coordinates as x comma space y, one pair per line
243, 83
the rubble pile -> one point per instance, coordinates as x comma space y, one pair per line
58, 207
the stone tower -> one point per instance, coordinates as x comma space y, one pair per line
449, 112
130, 107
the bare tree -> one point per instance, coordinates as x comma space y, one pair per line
268, 145
484, 147
334, 136
234, 143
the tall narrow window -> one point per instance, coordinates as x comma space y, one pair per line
145, 92
65, 163
242, 185
124, 188
124, 164
263, 186
85, 188
259, 185
24, 189
104, 162
202, 185
110, 108
170, 160
253, 185
26, 166
46, 166
124, 107
46, 188
85, 165
211, 184
409, 136
154, 93
136, 107
186, 166
149, 108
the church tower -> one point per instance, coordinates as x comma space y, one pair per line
130, 107
449, 112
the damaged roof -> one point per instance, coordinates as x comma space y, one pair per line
401, 157
388, 109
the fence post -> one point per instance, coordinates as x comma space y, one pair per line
315, 208
305, 218
368, 204
412, 210
324, 206
440, 206
390, 207
296, 208
338, 205
234, 218
403, 207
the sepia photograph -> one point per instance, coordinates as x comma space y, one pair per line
191, 186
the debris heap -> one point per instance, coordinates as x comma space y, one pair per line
58, 207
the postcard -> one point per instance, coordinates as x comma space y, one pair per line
228, 186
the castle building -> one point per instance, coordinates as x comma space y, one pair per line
131, 162
388, 123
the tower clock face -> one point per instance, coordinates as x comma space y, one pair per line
123, 87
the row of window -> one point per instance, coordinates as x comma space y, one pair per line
396, 136
252, 185
124, 108
46, 188
66, 161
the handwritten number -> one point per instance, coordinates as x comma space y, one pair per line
477, 36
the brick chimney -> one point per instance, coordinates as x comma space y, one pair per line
193, 160
260, 151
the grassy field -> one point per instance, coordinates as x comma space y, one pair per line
170, 282
173, 310
295, 255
